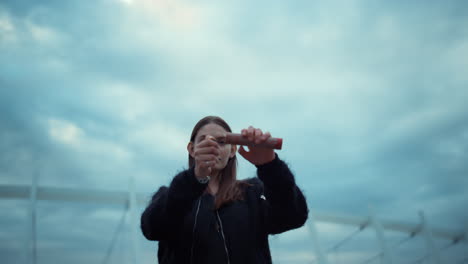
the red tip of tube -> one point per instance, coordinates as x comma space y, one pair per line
279, 143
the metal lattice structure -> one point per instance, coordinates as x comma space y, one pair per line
131, 200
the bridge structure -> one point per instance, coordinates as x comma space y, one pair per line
131, 201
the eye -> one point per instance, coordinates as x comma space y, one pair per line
221, 142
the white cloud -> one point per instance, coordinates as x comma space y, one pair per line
69, 134
388, 29
177, 14
453, 150
124, 101
7, 29
161, 137
65, 132
128, 2
338, 71
457, 60
5, 23
43, 34
418, 121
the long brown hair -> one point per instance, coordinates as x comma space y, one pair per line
230, 189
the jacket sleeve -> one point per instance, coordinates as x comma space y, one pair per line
164, 215
287, 207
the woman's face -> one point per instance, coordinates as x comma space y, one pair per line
226, 151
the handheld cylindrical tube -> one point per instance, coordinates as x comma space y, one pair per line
238, 139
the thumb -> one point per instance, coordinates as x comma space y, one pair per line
209, 171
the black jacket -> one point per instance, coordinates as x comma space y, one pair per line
182, 219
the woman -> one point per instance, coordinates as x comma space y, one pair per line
207, 216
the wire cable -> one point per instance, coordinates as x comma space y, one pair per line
346, 239
399, 243
371, 259
419, 260
115, 236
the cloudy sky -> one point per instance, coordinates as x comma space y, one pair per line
369, 96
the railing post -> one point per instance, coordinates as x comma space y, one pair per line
133, 220
32, 248
321, 257
432, 251
466, 241
387, 254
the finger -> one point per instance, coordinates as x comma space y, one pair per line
265, 136
205, 165
206, 143
207, 158
250, 133
244, 132
206, 150
257, 135
211, 138
207, 147
204, 168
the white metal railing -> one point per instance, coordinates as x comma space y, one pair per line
131, 200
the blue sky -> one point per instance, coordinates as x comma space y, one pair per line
369, 96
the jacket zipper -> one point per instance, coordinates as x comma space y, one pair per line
193, 231
222, 235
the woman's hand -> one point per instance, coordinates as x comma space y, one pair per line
206, 153
256, 155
